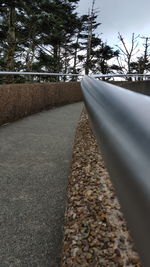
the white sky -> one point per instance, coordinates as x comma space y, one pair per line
117, 15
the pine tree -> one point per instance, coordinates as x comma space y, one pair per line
92, 40
102, 56
57, 30
48, 35
15, 33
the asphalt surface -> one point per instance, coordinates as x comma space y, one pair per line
35, 155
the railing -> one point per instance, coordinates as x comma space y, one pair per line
121, 122
39, 73
99, 76
117, 75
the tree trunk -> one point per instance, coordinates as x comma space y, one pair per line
11, 39
87, 64
75, 58
29, 59
56, 61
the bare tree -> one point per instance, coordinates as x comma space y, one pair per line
128, 52
91, 25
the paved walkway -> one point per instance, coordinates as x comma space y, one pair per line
35, 155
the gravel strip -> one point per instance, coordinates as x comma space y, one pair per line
95, 230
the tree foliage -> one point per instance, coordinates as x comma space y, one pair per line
49, 35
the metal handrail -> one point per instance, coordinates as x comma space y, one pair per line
136, 75
38, 73
73, 74
121, 121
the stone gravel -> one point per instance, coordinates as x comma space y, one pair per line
95, 231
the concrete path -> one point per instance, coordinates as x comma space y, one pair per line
35, 155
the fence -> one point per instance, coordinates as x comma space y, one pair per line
121, 121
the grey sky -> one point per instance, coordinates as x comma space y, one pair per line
126, 16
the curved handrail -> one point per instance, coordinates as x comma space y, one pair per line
121, 122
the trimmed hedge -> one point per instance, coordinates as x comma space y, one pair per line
20, 100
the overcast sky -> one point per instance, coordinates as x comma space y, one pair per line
125, 16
